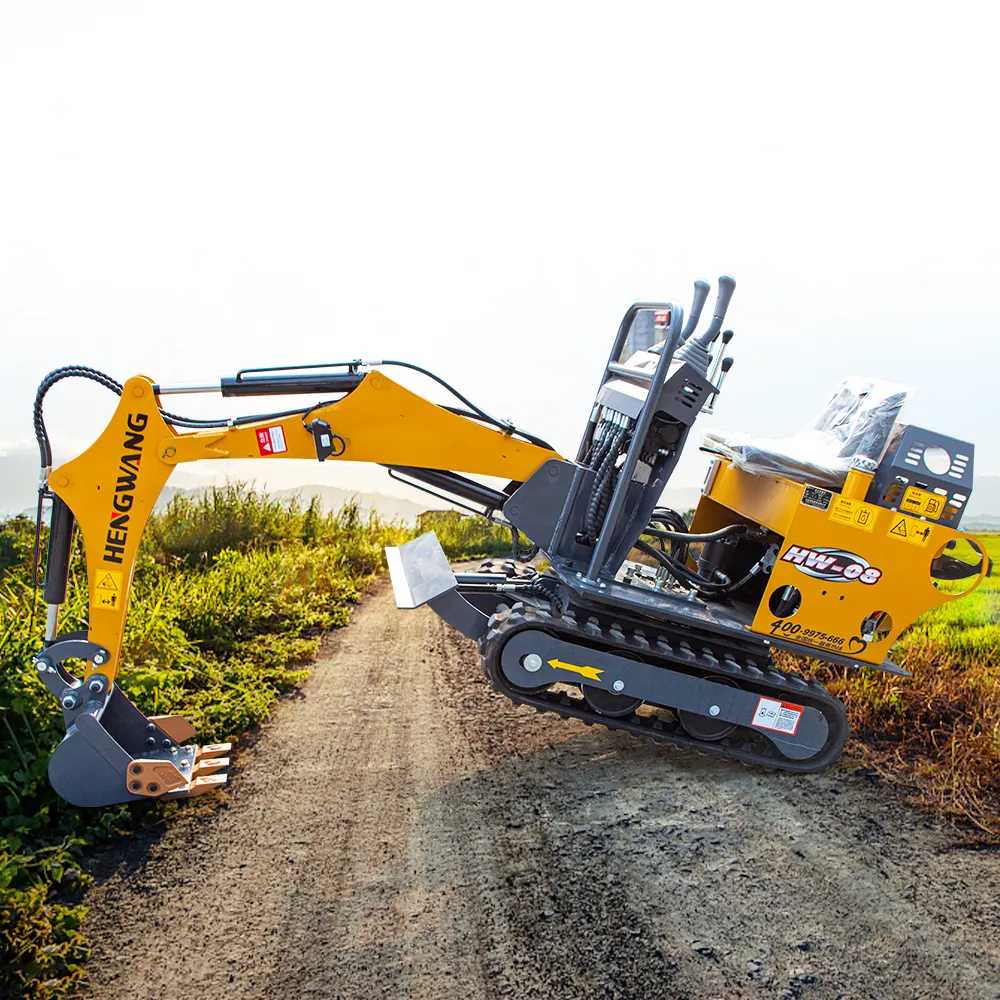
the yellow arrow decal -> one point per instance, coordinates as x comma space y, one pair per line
591, 673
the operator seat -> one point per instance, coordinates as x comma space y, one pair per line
857, 421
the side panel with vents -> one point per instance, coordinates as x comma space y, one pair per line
928, 461
683, 394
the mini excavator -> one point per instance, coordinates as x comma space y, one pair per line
826, 544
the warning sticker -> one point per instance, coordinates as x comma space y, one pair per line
781, 716
271, 440
813, 496
918, 501
108, 590
854, 512
905, 529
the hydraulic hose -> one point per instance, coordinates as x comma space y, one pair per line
712, 536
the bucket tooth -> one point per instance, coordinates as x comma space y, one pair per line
207, 783
211, 765
213, 750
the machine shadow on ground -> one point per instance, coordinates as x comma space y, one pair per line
608, 867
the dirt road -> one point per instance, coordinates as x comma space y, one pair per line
401, 831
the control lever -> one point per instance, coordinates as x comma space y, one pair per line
727, 336
727, 285
701, 290
709, 407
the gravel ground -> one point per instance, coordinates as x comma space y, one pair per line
401, 831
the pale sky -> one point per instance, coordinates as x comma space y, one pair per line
188, 189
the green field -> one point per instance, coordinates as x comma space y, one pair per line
233, 592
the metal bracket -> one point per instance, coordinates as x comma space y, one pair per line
71, 692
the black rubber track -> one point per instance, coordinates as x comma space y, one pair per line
698, 655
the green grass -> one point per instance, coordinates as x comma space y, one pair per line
464, 537
233, 591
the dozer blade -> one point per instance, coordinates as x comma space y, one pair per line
113, 753
421, 574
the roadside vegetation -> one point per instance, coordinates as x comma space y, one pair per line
233, 592
467, 537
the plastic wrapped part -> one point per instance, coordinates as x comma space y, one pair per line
857, 421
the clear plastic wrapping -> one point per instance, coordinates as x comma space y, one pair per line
856, 421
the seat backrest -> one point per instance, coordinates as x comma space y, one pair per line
859, 417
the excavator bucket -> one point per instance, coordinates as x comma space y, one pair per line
112, 752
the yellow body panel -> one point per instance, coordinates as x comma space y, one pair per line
848, 559
762, 500
112, 487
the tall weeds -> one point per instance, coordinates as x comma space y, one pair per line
464, 537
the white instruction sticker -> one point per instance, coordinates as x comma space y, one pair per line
278, 439
781, 716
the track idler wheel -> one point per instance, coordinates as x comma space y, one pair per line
704, 727
614, 706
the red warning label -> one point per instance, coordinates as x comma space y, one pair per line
781, 716
271, 440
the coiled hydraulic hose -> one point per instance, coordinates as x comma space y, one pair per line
81, 371
605, 457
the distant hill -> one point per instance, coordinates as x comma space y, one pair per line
981, 522
984, 507
334, 497
19, 482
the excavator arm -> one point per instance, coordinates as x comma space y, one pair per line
112, 753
